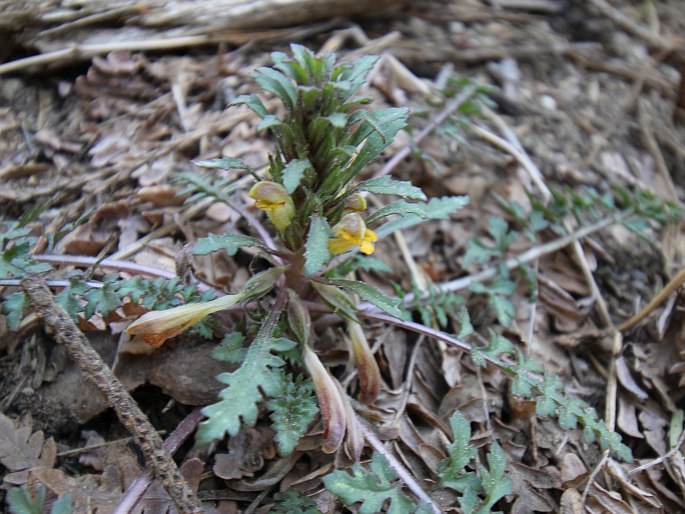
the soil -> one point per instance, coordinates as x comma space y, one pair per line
96, 146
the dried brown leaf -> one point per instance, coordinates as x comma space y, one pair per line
21, 449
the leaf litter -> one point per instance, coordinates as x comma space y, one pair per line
113, 139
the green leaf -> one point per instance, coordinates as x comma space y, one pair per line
21, 501
246, 387
62, 506
224, 163
358, 262
16, 261
293, 173
292, 502
497, 345
551, 393
523, 383
316, 248
336, 298
436, 208
230, 349
276, 83
495, 484
270, 121
105, 299
253, 102
376, 133
337, 119
389, 186
461, 452
228, 242
292, 410
371, 488
371, 295
13, 308
399, 207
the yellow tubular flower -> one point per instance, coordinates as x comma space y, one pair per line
155, 327
351, 232
274, 200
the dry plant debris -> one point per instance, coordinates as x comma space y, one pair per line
582, 94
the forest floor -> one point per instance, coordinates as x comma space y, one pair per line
580, 102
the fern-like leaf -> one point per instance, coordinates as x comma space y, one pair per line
292, 410
246, 387
372, 488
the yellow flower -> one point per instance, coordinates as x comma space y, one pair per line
351, 232
155, 327
273, 198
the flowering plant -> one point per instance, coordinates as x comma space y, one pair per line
317, 207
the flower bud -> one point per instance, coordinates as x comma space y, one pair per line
272, 198
155, 327
336, 298
367, 367
330, 402
355, 203
298, 317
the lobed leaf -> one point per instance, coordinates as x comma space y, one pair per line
245, 388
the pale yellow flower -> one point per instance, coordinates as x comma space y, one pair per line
155, 327
272, 198
351, 232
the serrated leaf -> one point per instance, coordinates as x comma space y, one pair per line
570, 409
436, 208
103, 300
372, 295
389, 186
245, 389
228, 242
371, 488
398, 207
316, 248
461, 452
224, 163
495, 484
293, 173
230, 349
21, 501
13, 308
292, 410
